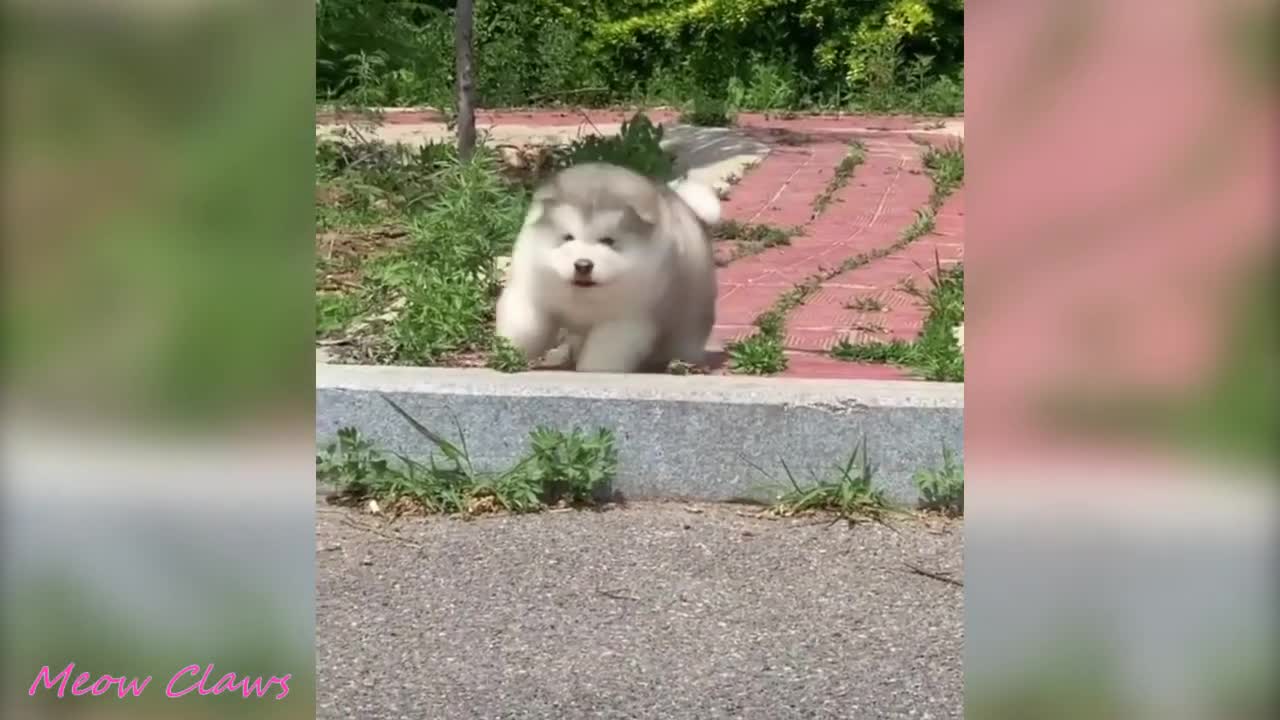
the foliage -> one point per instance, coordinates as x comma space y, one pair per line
849, 493
433, 295
708, 111
942, 489
871, 55
936, 354
570, 467
638, 146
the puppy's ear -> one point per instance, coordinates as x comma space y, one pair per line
545, 197
644, 209
547, 191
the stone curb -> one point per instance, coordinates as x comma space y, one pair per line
691, 437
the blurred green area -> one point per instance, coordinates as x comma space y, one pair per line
1082, 674
1231, 415
56, 620
158, 230
158, 210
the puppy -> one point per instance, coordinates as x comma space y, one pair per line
620, 265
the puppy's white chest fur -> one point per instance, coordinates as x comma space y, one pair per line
619, 264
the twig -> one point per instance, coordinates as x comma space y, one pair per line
616, 595
935, 576
562, 93
382, 533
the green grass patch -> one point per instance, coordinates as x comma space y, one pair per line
847, 492
559, 468
706, 111
844, 171
505, 357
751, 239
408, 237
759, 354
942, 489
936, 354
945, 166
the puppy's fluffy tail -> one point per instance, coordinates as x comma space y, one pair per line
704, 201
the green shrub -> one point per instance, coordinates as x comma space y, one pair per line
708, 111
876, 54
638, 146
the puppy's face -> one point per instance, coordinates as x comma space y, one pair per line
597, 243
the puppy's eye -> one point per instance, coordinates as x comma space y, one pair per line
566, 238
607, 241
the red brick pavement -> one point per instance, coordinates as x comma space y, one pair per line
866, 216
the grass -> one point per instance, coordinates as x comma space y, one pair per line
844, 171
942, 489
936, 354
763, 354
407, 241
945, 166
866, 303
560, 468
751, 239
505, 357
848, 492
706, 111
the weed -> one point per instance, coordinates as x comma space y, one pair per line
505, 357
708, 112
752, 238
855, 157
942, 489
570, 466
921, 226
680, 367
560, 467
945, 166
938, 357
936, 354
334, 312
759, 354
866, 303
849, 494
638, 146
353, 464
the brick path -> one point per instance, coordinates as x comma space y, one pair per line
868, 214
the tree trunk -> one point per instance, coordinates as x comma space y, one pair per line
464, 15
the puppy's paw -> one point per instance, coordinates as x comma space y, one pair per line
617, 347
519, 323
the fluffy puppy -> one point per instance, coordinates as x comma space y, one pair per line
620, 265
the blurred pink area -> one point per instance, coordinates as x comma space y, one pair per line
1122, 169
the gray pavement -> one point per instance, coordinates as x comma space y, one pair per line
655, 610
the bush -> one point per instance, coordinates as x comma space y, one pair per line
876, 54
638, 146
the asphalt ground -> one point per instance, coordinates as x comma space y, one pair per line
660, 610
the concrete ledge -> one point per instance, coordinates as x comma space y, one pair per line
690, 437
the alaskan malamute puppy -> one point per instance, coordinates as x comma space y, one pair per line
620, 265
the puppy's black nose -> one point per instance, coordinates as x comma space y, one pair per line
583, 267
